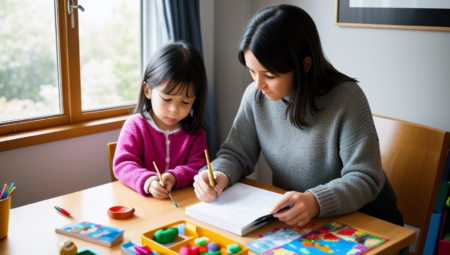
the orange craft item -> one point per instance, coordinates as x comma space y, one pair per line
120, 212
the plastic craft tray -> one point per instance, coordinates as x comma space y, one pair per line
191, 232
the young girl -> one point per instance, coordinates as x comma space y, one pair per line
168, 127
312, 122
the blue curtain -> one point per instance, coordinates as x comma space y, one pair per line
181, 21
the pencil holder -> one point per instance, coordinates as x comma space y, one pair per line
5, 206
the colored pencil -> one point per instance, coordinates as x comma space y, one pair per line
10, 187
10, 193
3, 191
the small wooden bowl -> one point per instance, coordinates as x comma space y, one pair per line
120, 212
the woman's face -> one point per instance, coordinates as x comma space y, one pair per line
273, 86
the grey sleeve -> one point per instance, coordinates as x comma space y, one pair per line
362, 174
362, 179
240, 151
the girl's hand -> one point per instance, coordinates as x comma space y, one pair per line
304, 208
156, 189
203, 189
169, 181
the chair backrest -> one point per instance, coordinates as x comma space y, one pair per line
111, 151
413, 157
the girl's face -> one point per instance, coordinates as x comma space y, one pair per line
273, 86
169, 109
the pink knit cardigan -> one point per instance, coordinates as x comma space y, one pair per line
140, 144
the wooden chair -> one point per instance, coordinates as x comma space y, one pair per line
413, 157
111, 151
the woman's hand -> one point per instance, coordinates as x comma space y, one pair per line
203, 189
304, 208
168, 180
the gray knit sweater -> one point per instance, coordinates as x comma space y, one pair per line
337, 158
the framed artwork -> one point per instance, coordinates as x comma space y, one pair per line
401, 14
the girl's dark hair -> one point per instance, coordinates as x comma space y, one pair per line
281, 37
182, 64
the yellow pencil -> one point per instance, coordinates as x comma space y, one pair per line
160, 182
210, 173
211, 176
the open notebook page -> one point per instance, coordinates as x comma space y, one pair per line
240, 205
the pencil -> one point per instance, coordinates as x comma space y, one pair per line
157, 171
210, 173
211, 176
160, 182
12, 190
3, 191
10, 187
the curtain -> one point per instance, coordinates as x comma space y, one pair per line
180, 19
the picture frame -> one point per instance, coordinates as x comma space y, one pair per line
399, 14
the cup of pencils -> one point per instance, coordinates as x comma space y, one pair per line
5, 206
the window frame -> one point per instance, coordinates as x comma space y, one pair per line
73, 122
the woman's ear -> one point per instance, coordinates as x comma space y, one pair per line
147, 91
307, 62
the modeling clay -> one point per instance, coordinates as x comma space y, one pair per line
164, 236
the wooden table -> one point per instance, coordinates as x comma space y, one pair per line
32, 227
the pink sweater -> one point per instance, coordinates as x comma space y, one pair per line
140, 144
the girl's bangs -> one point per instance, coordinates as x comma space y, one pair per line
181, 82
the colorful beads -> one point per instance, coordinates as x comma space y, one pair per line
233, 249
195, 250
202, 241
203, 249
185, 250
212, 246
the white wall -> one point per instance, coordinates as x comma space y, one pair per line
231, 17
57, 168
207, 27
231, 78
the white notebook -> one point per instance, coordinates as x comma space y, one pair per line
240, 206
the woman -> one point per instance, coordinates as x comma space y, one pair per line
313, 124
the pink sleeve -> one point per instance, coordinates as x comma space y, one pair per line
127, 164
196, 160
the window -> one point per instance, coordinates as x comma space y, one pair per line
109, 35
53, 74
29, 75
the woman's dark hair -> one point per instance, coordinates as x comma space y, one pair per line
181, 64
281, 37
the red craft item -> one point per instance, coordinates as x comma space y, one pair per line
120, 212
